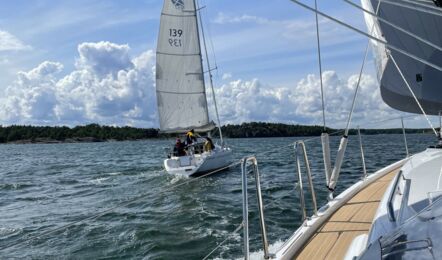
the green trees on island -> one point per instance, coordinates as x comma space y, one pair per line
260, 129
95, 132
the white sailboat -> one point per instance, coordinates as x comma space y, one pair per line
396, 212
180, 89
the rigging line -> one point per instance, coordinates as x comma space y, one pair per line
358, 84
317, 137
414, 96
393, 25
320, 66
370, 36
211, 81
211, 40
225, 240
392, 118
102, 213
429, 5
415, 8
371, 124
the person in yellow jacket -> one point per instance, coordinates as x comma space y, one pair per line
190, 137
208, 145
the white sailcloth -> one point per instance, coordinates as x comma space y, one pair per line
424, 80
181, 96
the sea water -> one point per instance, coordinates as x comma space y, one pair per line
154, 215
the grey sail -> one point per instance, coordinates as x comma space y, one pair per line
425, 81
181, 96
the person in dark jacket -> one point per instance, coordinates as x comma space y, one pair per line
178, 149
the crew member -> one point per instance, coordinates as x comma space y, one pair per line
190, 137
178, 149
208, 145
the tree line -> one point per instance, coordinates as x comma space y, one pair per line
91, 132
261, 129
95, 132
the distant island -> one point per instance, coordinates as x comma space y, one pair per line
99, 133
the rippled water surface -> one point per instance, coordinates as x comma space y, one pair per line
46, 186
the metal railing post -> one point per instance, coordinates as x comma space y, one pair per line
265, 243
245, 209
301, 188
362, 153
309, 178
260, 207
405, 137
440, 124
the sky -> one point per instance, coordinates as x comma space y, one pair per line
74, 62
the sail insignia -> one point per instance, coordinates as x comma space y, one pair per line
179, 4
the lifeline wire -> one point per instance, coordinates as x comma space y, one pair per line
320, 65
369, 36
414, 96
225, 240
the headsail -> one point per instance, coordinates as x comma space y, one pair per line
181, 96
425, 81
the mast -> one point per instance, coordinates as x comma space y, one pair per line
209, 71
195, 6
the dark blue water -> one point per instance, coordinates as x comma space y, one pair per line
45, 186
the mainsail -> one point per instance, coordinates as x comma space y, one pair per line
425, 21
181, 96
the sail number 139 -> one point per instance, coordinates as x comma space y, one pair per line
175, 37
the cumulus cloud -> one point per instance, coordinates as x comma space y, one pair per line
223, 18
241, 101
9, 42
226, 76
107, 87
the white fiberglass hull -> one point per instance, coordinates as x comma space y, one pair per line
198, 164
408, 194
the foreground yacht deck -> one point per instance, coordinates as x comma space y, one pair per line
332, 240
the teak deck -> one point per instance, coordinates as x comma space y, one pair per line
332, 240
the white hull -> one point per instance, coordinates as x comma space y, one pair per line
417, 185
197, 164
304, 233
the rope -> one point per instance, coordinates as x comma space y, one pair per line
225, 240
414, 96
320, 65
370, 36
392, 24
359, 78
102, 213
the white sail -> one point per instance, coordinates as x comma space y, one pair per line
424, 80
181, 96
